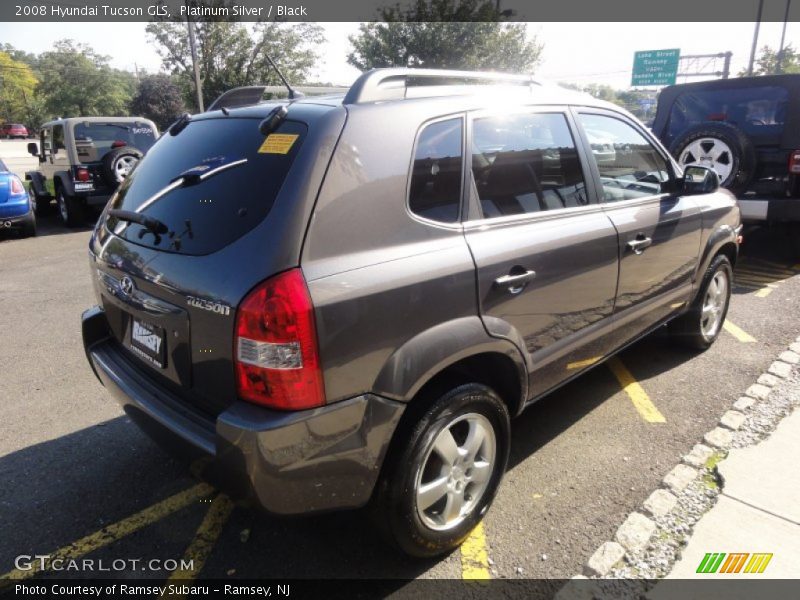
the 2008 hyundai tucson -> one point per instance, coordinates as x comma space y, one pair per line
344, 300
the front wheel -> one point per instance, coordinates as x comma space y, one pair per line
442, 478
701, 325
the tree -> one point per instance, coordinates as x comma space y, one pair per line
76, 81
767, 62
159, 99
17, 85
230, 56
454, 34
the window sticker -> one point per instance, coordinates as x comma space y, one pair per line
278, 143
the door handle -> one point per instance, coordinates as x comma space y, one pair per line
640, 243
515, 282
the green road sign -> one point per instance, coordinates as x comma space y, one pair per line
655, 67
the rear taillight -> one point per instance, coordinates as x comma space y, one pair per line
276, 354
118, 144
82, 174
794, 162
16, 186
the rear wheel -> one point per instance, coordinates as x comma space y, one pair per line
29, 228
441, 479
71, 209
701, 325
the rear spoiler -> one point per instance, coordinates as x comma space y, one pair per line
249, 95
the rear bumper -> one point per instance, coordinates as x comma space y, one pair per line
760, 210
298, 462
15, 216
94, 198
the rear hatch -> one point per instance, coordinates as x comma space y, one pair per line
170, 292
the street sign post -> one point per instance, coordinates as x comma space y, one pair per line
655, 67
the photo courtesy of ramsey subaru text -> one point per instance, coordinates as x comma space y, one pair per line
344, 301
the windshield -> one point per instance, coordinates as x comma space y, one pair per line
94, 140
247, 171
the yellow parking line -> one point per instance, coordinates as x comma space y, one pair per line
474, 557
738, 333
579, 364
763, 293
203, 542
115, 531
638, 396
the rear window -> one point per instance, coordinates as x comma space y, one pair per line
207, 216
755, 110
94, 140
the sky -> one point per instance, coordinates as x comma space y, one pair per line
580, 53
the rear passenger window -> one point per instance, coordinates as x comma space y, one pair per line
630, 166
526, 163
436, 176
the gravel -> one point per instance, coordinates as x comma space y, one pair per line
674, 528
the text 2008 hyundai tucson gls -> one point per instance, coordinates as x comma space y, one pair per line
345, 300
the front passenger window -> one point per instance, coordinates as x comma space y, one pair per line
630, 166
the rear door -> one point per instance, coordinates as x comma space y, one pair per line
545, 251
659, 231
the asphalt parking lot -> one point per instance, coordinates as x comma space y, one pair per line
79, 479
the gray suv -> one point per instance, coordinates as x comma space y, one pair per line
343, 301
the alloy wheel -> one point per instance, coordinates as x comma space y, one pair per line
456, 471
714, 304
123, 166
709, 152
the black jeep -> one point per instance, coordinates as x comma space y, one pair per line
748, 130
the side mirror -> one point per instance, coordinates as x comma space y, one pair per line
33, 149
699, 180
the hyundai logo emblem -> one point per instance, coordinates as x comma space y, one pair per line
126, 285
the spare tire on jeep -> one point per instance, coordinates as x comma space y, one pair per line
118, 163
720, 146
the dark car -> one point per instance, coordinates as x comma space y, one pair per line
13, 130
17, 206
82, 160
343, 301
748, 130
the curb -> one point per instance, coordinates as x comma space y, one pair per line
621, 557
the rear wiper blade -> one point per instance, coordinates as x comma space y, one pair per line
189, 177
150, 223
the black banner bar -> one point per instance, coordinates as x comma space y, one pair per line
643, 12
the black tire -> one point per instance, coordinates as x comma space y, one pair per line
742, 152
688, 329
112, 162
394, 505
29, 228
70, 208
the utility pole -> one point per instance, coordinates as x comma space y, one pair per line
779, 57
195, 66
755, 39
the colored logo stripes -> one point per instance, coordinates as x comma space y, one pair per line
736, 562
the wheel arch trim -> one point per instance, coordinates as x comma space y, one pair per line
429, 353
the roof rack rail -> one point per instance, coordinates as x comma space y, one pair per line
252, 94
393, 83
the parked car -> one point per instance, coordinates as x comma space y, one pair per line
82, 161
13, 130
17, 207
343, 301
748, 130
